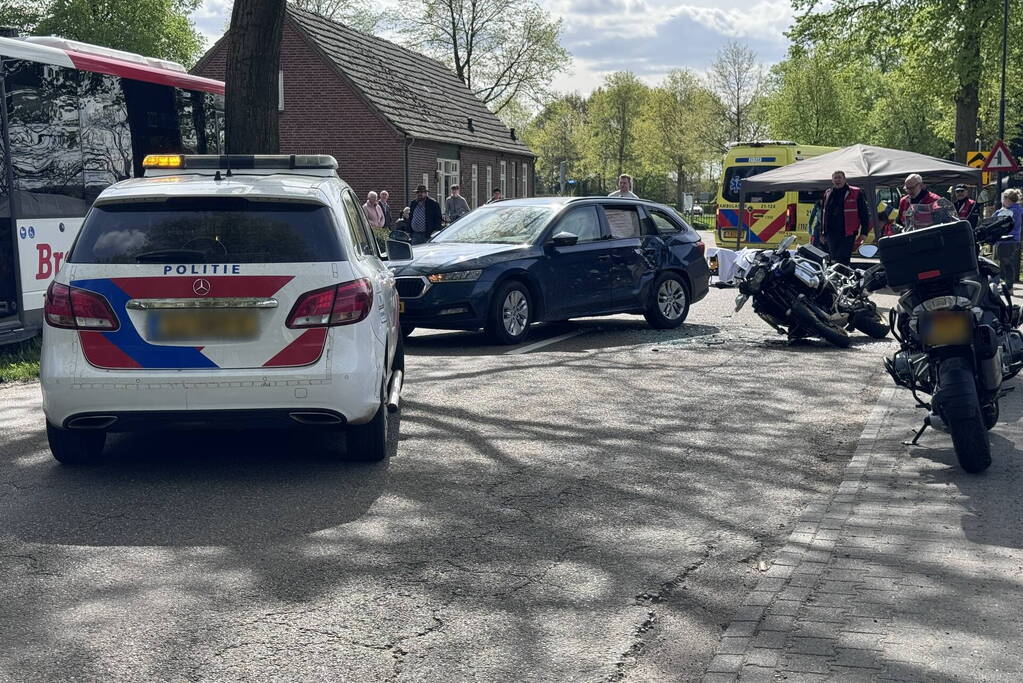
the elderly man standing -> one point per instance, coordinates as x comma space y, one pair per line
384, 197
375, 216
624, 187
845, 213
455, 206
916, 193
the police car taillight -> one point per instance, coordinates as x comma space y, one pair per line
71, 308
342, 304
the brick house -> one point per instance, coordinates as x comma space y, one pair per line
392, 118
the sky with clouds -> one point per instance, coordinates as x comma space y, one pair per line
647, 37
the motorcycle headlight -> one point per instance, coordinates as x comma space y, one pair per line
455, 276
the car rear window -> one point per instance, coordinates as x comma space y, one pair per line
208, 230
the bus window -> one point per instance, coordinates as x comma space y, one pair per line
106, 137
45, 137
153, 118
213, 115
733, 176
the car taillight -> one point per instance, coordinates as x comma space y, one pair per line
77, 309
342, 304
701, 249
790, 223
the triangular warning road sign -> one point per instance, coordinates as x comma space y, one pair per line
1000, 159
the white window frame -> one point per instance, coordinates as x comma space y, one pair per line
426, 180
475, 186
449, 172
514, 187
525, 179
280, 90
490, 181
504, 179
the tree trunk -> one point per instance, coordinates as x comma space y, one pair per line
968, 64
253, 61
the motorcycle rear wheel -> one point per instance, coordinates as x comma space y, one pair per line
817, 327
870, 324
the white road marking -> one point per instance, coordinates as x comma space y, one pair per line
545, 342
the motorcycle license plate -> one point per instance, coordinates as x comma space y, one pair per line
945, 328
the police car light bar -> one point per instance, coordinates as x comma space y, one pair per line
240, 162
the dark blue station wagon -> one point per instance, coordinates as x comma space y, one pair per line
509, 264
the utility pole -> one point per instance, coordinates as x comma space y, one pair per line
1001, 101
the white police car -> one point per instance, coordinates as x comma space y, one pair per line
242, 291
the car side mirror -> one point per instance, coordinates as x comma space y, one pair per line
399, 251
564, 239
868, 250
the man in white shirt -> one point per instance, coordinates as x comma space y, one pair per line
624, 187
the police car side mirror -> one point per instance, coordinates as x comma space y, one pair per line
399, 251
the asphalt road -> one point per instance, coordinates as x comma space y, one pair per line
592, 509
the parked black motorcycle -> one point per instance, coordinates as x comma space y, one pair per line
956, 325
800, 295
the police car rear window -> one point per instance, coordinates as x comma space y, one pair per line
207, 230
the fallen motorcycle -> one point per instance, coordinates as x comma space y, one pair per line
956, 326
800, 295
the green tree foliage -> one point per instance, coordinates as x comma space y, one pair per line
677, 130
738, 79
940, 42
155, 28
503, 50
23, 15
613, 146
557, 134
815, 102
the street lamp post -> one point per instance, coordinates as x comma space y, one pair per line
1001, 100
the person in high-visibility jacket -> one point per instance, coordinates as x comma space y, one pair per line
920, 199
845, 215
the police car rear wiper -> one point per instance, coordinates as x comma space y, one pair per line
171, 256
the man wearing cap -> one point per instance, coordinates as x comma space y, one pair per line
845, 215
966, 207
424, 215
455, 206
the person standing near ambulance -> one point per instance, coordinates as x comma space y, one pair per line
920, 199
966, 208
845, 214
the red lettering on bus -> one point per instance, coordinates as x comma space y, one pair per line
49, 261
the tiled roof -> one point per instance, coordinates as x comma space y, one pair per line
418, 95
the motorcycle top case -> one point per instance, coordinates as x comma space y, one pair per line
919, 256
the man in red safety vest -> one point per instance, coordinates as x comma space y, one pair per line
918, 198
965, 206
845, 215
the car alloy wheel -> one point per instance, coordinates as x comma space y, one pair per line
671, 299
515, 312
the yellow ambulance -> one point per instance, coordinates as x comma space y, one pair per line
769, 216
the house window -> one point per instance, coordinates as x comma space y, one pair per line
512, 184
280, 90
475, 186
490, 182
448, 171
525, 177
504, 179
426, 180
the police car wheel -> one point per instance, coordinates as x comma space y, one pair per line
75, 448
368, 442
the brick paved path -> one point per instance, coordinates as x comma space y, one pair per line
913, 571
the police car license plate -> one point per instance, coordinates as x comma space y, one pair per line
401, 307
947, 327
178, 326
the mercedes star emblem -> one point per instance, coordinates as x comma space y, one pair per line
201, 287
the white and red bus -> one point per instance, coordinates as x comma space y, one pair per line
75, 118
